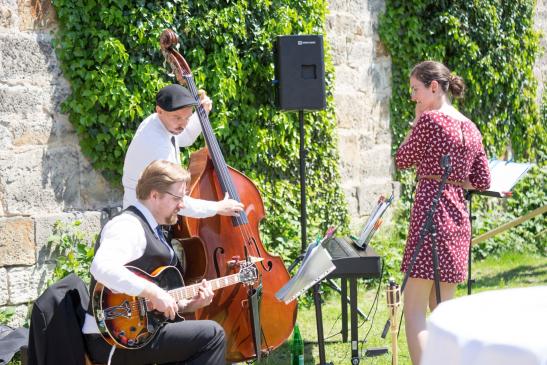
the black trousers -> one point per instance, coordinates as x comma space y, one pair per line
186, 342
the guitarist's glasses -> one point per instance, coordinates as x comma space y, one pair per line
178, 197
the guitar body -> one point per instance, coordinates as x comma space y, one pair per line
124, 320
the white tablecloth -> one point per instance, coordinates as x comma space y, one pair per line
500, 327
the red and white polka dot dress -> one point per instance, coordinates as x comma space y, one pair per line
435, 135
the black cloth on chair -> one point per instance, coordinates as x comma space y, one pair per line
11, 341
56, 324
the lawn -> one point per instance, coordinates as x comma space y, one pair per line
508, 271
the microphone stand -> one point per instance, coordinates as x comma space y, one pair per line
428, 228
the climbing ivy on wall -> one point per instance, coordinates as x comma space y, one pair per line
493, 46
109, 51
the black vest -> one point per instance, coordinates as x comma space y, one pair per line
155, 255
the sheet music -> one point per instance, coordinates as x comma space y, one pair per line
506, 174
316, 265
374, 221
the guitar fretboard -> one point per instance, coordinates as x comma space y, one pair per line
191, 291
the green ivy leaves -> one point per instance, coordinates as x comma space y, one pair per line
109, 51
493, 46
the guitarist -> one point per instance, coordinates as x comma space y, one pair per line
134, 238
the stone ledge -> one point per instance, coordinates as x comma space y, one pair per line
91, 224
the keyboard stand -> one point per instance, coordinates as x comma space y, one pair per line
319, 322
355, 357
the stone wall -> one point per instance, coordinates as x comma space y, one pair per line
43, 175
361, 95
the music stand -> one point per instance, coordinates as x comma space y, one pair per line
504, 175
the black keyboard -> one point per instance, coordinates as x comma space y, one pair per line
352, 261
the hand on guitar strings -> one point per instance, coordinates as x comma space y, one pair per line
161, 301
203, 298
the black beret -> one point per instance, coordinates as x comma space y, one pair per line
174, 97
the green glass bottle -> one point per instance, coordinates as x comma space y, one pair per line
297, 347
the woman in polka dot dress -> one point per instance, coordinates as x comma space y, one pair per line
438, 129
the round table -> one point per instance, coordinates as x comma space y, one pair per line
499, 327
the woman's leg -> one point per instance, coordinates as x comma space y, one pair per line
447, 292
416, 298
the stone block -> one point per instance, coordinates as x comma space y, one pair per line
350, 110
7, 14
28, 57
360, 54
368, 192
348, 150
91, 224
350, 193
43, 180
5, 137
31, 129
4, 293
380, 72
377, 162
95, 192
338, 49
345, 24
23, 99
17, 241
36, 15
346, 78
27, 283
20, 317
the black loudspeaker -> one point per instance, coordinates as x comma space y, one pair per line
300, 72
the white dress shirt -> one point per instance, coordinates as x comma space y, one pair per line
122, 240
152, 141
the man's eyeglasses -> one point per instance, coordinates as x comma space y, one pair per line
179, 198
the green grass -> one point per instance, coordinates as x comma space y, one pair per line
508, 271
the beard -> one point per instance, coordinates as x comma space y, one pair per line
172, 219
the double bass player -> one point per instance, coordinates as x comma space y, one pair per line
159, 137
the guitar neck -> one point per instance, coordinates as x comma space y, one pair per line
190, 291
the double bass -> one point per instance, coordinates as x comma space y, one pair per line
255, 322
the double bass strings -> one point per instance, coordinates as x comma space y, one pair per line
218, 159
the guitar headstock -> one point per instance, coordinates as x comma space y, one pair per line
179, 66
248, 273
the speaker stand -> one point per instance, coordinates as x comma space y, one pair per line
303, 222
303, 213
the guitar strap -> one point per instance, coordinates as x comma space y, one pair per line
255, 296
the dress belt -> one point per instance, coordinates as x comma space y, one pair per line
438, 178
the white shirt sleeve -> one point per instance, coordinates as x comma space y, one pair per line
191, 132
198, 208
122, 240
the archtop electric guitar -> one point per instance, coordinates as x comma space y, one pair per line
126, 322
